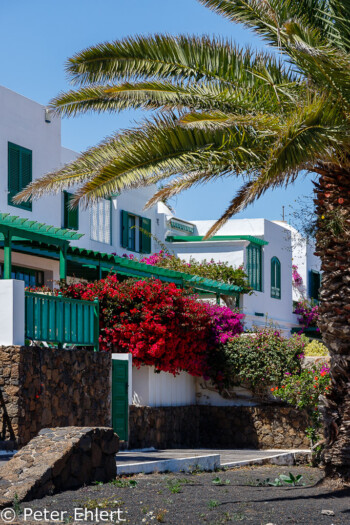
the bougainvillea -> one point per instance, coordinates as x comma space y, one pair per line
160, 324
226, 323
308, 314
297, 278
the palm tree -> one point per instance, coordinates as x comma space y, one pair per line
221, 111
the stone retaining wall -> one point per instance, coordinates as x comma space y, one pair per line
260, 427
44, 387
59, 459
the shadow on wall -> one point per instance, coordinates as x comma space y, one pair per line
261, 427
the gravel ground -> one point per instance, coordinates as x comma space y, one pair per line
238, 495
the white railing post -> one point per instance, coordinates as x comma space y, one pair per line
12, 308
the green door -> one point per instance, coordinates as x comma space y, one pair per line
120, 401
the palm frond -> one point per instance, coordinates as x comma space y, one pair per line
165, 57
85, 167
316, 131
267, 17
266, 123
159, 95
163, 149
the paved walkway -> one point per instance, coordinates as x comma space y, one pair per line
136, 461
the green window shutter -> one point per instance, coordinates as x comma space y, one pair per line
26, 167
278, 283
145, 239
254, 266
315, 284
71, 216
275, 278
19, 172
124, 233
13, 171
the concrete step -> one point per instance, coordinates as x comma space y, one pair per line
175, 460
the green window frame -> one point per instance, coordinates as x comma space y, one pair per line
314, 284
254, 266
19, 173
275, 278
70, 216
135, 241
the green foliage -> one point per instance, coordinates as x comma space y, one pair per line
124, 483
316, 348
218, 481
16, 505
280, 480
174, 485
256, 360
212, 504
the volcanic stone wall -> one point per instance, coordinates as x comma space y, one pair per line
262, 427
44, 387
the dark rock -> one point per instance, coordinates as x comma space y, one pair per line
59, 464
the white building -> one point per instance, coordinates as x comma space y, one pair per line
30, 146
267, 250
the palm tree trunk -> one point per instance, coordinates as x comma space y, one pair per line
333, 247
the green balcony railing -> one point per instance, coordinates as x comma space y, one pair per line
61, 320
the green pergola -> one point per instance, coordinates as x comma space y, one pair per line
130, 268
32, 237
14, 228
216, 238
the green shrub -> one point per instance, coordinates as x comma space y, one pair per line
256, 360
315, 348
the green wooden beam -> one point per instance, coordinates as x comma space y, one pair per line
63, 263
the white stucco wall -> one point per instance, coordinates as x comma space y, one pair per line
277, 311
304, 258
11, 312
206, 395
22, 122
162, 389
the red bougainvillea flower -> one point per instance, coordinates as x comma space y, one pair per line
159, 324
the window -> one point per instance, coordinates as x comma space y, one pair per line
19, 173
275, 278
70, 216
135, 232
100, 221
254, 266
30, 277
315, 285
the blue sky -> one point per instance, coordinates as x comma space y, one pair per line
37, 36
